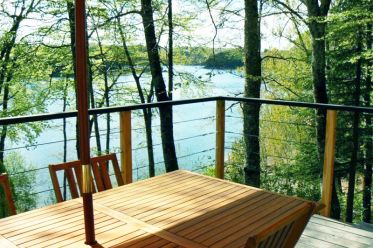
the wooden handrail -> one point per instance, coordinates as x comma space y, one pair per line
220, 136
329, 154
126, 146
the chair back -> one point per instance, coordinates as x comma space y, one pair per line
73, 172
4, 182
286, 231
100, 166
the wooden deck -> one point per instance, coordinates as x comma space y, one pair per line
180, 209
323, 232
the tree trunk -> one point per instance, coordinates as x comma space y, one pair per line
71, 13
4, 128
319, 85
146, 112
6, 74
94, 120
167, 136
149, 139
3, 205
65, 93
367, 190
170, 51
106, 100
317, 12
5, 77
252, 89
355, 136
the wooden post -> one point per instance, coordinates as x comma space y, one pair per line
220, 135
83, 118
329, 154
126, 146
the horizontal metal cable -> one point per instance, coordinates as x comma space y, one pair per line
104, 134
184, 156
271, 138
279, 122
256, 101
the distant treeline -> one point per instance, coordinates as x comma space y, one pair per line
222, 58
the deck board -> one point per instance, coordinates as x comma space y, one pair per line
180, 209
325, 232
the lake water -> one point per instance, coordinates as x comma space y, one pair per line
194, 129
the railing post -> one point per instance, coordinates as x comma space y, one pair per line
220, 135
126, 146
329, 154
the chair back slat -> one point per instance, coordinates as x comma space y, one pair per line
4, 182
56, 185
101, 173
286, 231
79, 176
104, 166
73, 172
118, 174
97, 174
72, 183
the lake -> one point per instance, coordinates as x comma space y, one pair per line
194, 129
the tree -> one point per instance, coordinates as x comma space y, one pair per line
253, 74
20, 63
8, 64
170, 50
367, 186
349, 83
168, 145
144, 98
317, 12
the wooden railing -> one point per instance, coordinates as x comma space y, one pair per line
329, 155
220, 139
126, 139
126, 146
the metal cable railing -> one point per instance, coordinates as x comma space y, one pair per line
279, 144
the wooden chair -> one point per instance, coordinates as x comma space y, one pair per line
286, 231
4, 182
73, 172
100, 166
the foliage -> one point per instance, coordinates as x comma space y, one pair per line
287, 73
289, 162
225, 59
22, 179
191, 55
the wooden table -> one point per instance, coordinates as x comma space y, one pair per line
178, 209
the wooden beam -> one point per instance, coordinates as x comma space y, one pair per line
329, 155
126, 146
220, 136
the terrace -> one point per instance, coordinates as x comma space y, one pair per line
194, 200
180, 208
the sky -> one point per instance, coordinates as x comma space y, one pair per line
202, 32
231, 34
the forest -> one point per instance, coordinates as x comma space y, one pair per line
309, 51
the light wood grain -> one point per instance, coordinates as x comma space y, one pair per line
328, 170
220, 139
126, 146
179, 209
6, 243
